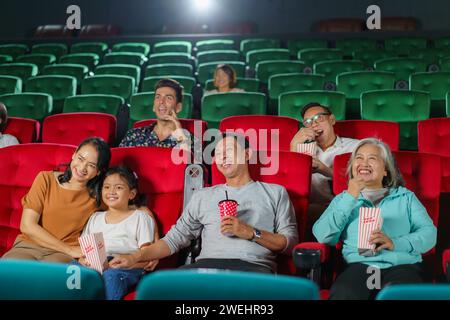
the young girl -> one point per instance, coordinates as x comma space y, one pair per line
125, 229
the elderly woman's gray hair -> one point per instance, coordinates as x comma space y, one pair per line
393, 178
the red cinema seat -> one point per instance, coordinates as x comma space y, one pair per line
188, 124
294, 173
99, 30
25, 130
260, 130
387, 131
72, 128
161, 179
19, 166
434, 137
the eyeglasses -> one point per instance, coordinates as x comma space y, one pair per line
320, 117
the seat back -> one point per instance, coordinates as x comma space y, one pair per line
218, 55
255, 44
19, 70
166, 69
266, 69
73, 128
437, 84
403, 46
25, 130
122, 86
291, 103
140, 47
169, 57
78, 71
89, 60
405, 107
263, 132
103, 103
386, 131
332, 68
172, 46
13, 49
401, 67
20, 165
295, 46
98, 48
348, 46
28, 105
311, 56
37, 280
254, 56
216, 107
133, 58
10, 84
214, 44
221, 285
206, 70
282, 83
120, 70
56, 49
39, 59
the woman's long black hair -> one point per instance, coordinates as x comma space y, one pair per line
104, 156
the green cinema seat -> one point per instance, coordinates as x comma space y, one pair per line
442, 43
169, 57
10, 84
216, 107
266, 69
218, 55
13, 49
130, 70
331, 68
368, 57
290, 104
35, 106
311, 56
78, 71
246, 84
102, 103
139, 47
122, 86
254, 56
39, 59
404, 107
165, 69
5, 59
89, 60
295, 46
445, 64
352, 84
282, 83
214, 44
437, 84
59, 87
134, 58
256, 44
56, 49
404, 46
172, 46
348, 46
402, 68
98, 48
19, 70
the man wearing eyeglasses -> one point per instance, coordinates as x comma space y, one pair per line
318, 122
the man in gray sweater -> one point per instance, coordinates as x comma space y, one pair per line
264, 226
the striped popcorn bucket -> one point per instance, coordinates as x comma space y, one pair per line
93, 248
307, 148
369, 220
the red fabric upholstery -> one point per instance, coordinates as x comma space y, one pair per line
399, 24
434, 137
19, 166
294, 173
99, 30
340, 25
53, 31
446, 260
261, 139
421, 172
387, 131
324, 249
72, 128
188, 124
25, 130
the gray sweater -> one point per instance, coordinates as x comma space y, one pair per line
262, 205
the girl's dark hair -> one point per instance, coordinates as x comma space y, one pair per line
104, 156
229, 71
132, 181
3, 117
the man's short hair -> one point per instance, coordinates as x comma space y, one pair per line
312, 105
3, 117
175, 85
239, 138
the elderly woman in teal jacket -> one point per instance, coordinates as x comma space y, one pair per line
406, 233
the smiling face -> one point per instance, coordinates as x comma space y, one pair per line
116, 193
231, 158
221, 80
368, 164
323, 129
165, 102
84, 164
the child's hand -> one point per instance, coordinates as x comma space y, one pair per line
125, 261
84, 262
151, 265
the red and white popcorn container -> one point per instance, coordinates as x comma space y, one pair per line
307, 148
93, 248
369, 220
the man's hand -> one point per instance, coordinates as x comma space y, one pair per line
381, 241
123, 261
151, 265
301, 136
234, 226
355, 186
319, 167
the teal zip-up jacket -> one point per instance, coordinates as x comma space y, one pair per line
405, 221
